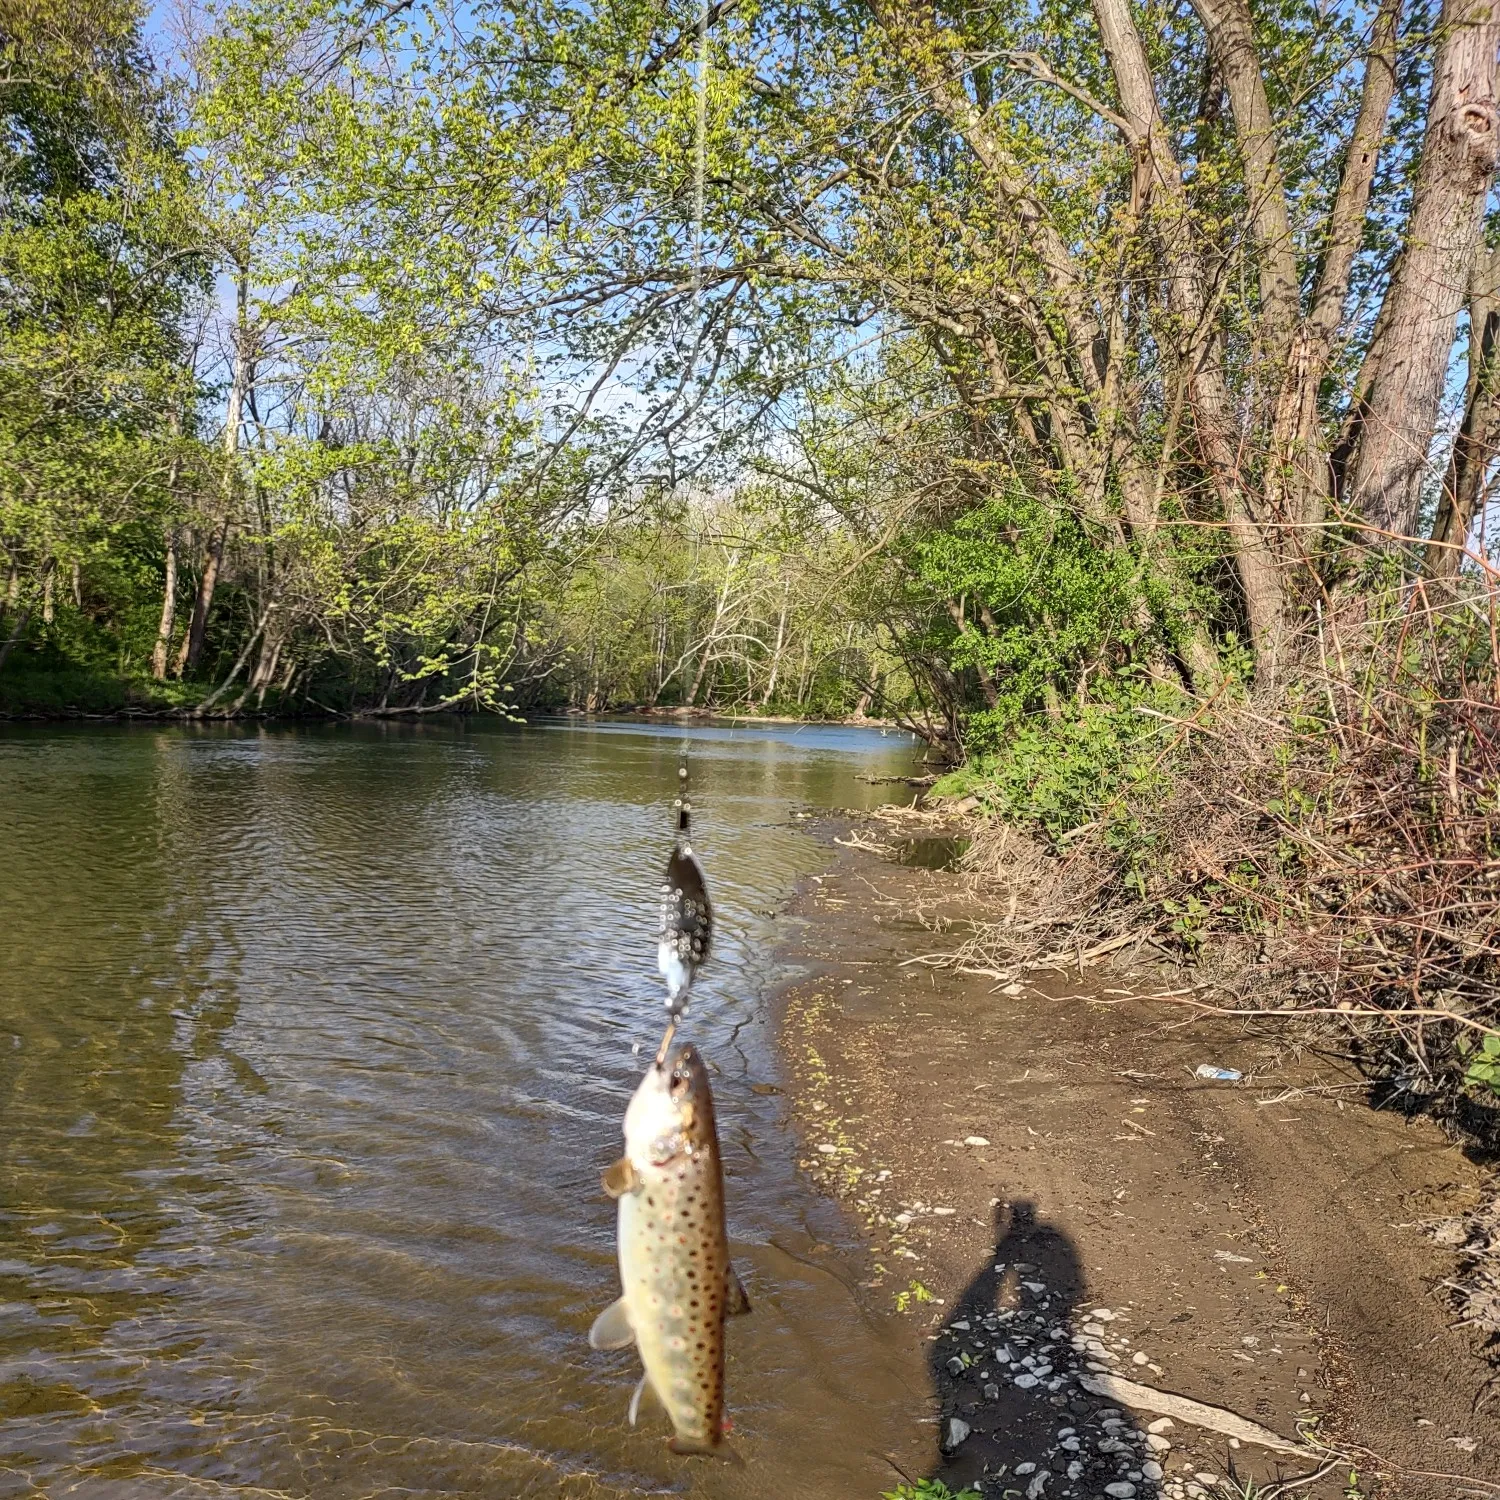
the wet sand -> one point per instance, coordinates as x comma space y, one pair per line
1043, 1164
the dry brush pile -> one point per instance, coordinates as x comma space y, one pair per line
1331, 851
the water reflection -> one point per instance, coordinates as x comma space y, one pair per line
311, 1045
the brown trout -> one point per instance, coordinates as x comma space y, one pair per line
677, 1284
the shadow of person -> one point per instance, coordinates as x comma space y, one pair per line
1015, 1419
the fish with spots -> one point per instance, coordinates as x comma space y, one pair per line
677, 1285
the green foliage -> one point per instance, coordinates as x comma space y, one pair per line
1059, 774
928, 1489
1484, 1069
914, 1295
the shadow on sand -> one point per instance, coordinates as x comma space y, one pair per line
1014, 1418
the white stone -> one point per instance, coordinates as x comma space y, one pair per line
1151, 1469
1161, 1424
1139, 1357
958, 1430
1157, 1443
1025, 1468
975, 1140
1121, 1489
1204, 1477
1027, 1381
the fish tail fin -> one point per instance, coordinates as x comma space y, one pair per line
701, 1448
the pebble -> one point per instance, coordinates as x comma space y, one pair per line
1025, 1468
1157, 1443
1204, 1477
1027, 1381
1151, 1469
992, 1393
1139, 1357
975, 1140
957, 1432
1161, 1424
1075, 1469
1121, 1489
828, 1148
955, 1366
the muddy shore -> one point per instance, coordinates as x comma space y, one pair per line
1055, 1204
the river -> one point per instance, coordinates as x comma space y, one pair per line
313, 1042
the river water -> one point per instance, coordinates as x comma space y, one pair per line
312, 1045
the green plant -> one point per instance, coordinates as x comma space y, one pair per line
1484, 1070
915, 1292
928, 1489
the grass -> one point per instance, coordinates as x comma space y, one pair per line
33, 689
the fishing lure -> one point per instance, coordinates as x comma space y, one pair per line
687, 917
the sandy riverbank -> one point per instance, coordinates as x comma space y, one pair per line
1041, 1161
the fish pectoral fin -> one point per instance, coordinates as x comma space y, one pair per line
612, 1329
620, 1178
643, 1388
735, 1299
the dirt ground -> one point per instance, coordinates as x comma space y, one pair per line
1040, 1161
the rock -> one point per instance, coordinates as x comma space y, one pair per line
1204, 1477
828, 1148
1121, 1489
1070, 1444
1026, 1381
956, 1366
1075, 1469
1151, 1469
992, 1393
1038, 1287
975, 1140
1103, 1315
1037, 1485
960, 1327
1093, 1330
955, 1434
1139, 1357
1111, 1445
1025, 1468
1161, 1424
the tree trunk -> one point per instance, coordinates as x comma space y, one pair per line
1478, 439
1199, 352
1231, 35
780, 641
192, 642
49, 580
1458, 164
168, 611
1300, 478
